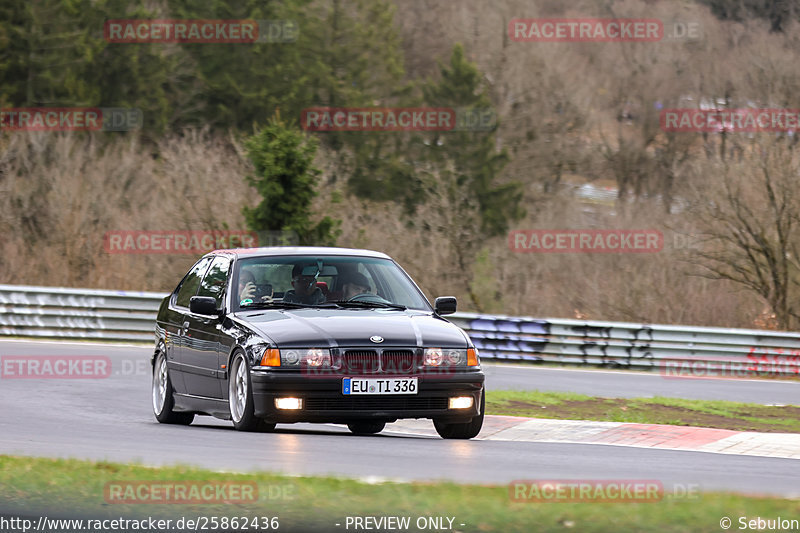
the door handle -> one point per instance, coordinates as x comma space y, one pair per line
185, 327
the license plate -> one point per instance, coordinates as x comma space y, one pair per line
379, 386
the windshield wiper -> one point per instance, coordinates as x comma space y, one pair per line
277, 305
366, 304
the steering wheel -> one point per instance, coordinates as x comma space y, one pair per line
366, 296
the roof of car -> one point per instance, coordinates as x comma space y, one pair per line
298, 250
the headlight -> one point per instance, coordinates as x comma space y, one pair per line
433, 357
312, 357
456, 357
443, 357
290, 357
317, 357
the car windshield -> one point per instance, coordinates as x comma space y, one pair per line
311, 281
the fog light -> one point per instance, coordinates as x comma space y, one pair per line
461, 402
289, 403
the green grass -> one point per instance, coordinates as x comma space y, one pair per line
658, 410
39, 486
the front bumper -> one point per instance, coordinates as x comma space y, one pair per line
323, 400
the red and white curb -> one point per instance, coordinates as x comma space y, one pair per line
687, 438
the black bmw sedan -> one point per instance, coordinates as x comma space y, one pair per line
264, 336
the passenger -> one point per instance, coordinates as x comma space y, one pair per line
305, 289
354, 284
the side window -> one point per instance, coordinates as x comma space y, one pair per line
216, 279
191, 282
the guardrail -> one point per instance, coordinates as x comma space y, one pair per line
52, 312
674, 350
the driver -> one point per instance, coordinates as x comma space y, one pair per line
248, 288
247, 284
305, 289
354, 284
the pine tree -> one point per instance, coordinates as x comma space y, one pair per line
285, 177
470, 156
462, 166
54, 54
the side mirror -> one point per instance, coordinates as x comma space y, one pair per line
445, 305
203, 305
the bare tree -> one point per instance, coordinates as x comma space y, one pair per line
751, 210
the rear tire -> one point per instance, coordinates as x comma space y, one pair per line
240, 398
163, 399
466, 430
366, 428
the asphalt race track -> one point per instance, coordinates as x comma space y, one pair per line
633, 384
111, 419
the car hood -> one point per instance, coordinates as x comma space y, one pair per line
353, 327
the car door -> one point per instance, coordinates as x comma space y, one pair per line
179, 312
201, 349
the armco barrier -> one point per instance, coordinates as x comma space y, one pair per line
53, 312
645, 346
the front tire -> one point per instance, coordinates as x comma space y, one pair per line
240, 398
366, 428
466, 430
163, 399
